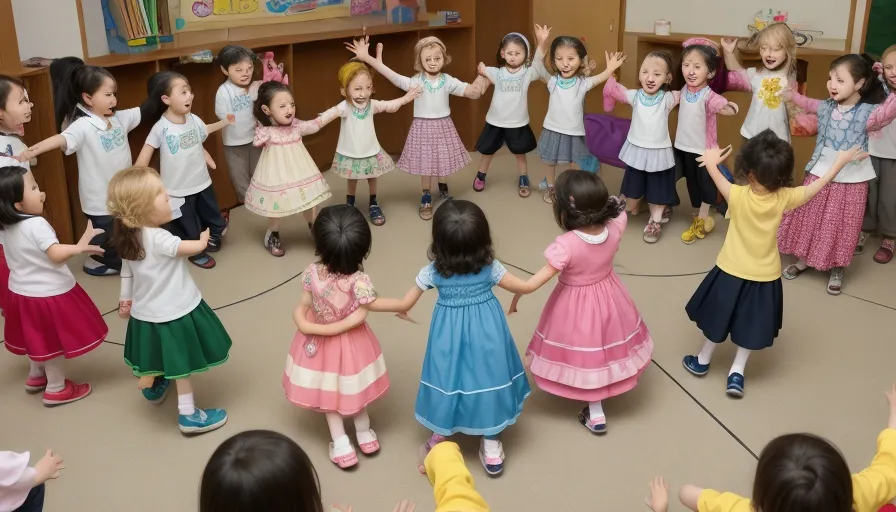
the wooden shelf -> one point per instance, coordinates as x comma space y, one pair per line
825, 47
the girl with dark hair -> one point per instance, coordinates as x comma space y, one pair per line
178, 134
562, 139
172, 333
806, 473
85, 98
824, 233
507, 121
48, 314
591, 343
286, 181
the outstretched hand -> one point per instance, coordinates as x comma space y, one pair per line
90, 233
542, 33
729, 44
361, 48
714, 156
658, 499
851, 155
614, 60
514, 303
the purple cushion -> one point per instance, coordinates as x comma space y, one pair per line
605, 135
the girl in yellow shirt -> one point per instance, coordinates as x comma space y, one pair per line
742, 296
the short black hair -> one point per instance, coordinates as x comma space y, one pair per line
12, 191
461, 239
583, 200
266, 94
233, 54
802, 473
709, 54
768, 159
342, 239
259, 470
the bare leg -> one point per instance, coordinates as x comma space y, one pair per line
656, 212
522, 164
372, 184
484, 162
352, 187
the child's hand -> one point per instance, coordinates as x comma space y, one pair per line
854, 154
714, 156
542, 33
124, 308
415, 91
27, 155
730, 109
513, 303
405, 506
614, 60
231, 119
404, 316
729, 44
205, 235
658, 500
878, 68
481, 69
361, 48
48, 468
588, 66
209, 161
84, 246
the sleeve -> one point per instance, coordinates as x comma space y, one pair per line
614, 93
201, 126
16, 477
425, 278
538, 66
155, 136
492, 74
497, 271
796, 197
129, 118
222, 105
875, 486
386, 106
673, 98
741, 80
42, 234
342, 107
557, 256
165, 244
453, 485
808, 104
262, 135
401, 81
715, 501
127, 282
363, 289
883, 114
455, 87
715, 103
306, 279
74, 135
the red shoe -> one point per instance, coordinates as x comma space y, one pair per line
71, 393
35, 384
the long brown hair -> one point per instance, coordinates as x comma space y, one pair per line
132, 193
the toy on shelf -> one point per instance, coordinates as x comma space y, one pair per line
768, 17
402, 11
271, 70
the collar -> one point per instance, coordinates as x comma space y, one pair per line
98, 122
593, 239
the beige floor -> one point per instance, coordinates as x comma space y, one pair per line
826, 375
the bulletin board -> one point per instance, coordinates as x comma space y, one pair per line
195, 15
881, 31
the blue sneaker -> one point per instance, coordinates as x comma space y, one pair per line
692, 365
159, 390
94, 268
735, 385
202, 420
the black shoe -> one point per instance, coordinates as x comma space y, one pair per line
214, 244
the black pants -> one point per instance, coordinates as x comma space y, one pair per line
701, 188
199, 212
34, 502
110, 258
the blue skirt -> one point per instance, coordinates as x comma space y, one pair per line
473, 379
751, 312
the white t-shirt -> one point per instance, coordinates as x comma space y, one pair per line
103, 150
767, 110
160, 284
566, 107
31, 272
232, 99
182, 159
856, 172
690, 135
10, 146
883, 143
510, 101
357, 135
433, 103
650, 121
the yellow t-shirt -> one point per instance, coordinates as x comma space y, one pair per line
452, 482
750, 250
872, 488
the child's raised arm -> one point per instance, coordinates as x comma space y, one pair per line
309, 328
48, 144
729, 47
60, 253
391, 106
711, 159
542, 32
361, 49
614, 62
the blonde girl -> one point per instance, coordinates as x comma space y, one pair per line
359, 155
433, 150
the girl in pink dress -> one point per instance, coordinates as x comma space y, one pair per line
591, 343
335, 364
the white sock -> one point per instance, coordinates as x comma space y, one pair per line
705, 355
362, 422
55, 376
36, 370
595, 410
740, 361
185, 404
337, 426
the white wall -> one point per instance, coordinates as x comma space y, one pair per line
47, 28
731, 17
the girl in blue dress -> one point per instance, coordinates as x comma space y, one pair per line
473, 380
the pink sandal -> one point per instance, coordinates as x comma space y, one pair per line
343, 461
368, 442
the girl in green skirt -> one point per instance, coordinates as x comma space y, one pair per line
172, 333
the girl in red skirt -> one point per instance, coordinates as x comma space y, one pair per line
48, 315
824, 232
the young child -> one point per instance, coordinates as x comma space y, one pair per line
235, 97
172, 333
562, 139
507, 120
286, 181
880, 211
697, 131
22, 487
591, 343
433, 149
98, 133
807, 472
777, 50
358, 152
473, 380
48, 315
178, 134
824, 234
334, 343
647, 153
742, 296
